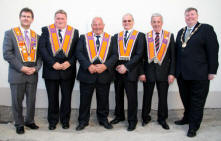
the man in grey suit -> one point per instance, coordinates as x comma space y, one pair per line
21, 51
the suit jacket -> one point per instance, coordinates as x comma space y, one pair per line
200, 57
156, 72
49, 59
11, 54
83, 73
136, 56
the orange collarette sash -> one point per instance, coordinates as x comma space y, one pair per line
26, 55
93, 53
125, 51
55, 44
158, 56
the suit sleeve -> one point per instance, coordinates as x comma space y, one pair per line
43, 45
172, 56
113, 57
8, 52
39, 60
138, 53
212, 48
81, 55
72, 60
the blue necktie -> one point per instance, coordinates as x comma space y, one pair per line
59, 34
125, 37
98, 43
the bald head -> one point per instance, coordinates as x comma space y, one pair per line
97, 25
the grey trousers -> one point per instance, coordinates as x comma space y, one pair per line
17, 93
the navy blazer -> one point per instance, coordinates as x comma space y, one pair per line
49, 60
83, 73
200, 57
136, 57
156, 72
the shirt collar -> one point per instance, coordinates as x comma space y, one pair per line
129, 31
23, 30
101, 35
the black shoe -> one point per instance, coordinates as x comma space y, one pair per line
164, 125
131, 127
181, 122
32, 126
106, 125
81, 126
146, 121
20, 130
52, 127
116, 121
65, 125
191, 133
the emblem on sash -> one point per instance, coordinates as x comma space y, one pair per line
26, 55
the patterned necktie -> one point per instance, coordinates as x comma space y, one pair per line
125, 38
187, 33
157, 41
98, 43
27, 40
59, 34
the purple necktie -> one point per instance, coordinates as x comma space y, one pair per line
27, 40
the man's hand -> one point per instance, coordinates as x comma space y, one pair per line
142, 78
211, 76
171, 79
57, 66
100, 68
92, 69
121, 69
28, 70
65, 65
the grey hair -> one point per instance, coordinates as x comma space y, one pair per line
128, 14
157, 15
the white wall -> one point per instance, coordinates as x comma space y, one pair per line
80, 14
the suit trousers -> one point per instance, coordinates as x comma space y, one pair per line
102, 97
120, 85
54, 112
162, 89
17, 92
193, 94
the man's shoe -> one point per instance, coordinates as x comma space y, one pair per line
106, 125
65, 126
181, 122
191, 133
164, 125
131, 127
81, 126
116, 121
32, 126
52, 127
146, 120
20, 130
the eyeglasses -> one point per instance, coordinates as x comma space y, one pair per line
124, 21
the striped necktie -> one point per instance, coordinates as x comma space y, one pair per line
157, 41
60, 36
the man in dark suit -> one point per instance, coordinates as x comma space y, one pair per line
130, 45
158, 68
197, 64
21, 51
97, 57
57, 47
